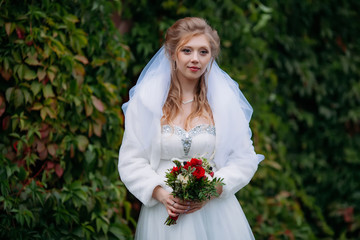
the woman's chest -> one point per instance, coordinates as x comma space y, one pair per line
198, 142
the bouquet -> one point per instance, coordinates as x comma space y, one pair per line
192, 181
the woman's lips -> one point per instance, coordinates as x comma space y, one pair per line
194, 69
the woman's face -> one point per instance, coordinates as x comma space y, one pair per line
193, 58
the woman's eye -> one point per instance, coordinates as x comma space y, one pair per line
186, 50
204, 52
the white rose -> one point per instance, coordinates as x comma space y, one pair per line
183, 179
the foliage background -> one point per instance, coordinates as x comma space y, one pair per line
297, 62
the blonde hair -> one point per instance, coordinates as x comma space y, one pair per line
176, 37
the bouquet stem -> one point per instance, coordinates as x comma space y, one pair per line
171, 220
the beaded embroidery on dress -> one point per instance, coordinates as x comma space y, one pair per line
186, 136
220, 218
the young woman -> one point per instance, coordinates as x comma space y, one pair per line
185, 106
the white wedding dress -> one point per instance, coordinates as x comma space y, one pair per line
220, 218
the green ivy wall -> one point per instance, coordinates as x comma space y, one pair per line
63, 66
66, 70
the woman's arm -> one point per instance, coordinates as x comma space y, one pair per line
136, 173
174, 206
241, 164
134, 165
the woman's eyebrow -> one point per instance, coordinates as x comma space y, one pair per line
206, 47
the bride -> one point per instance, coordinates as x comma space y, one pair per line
185, 106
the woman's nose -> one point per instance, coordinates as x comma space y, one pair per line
195, 57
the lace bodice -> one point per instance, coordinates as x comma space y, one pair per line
179, 143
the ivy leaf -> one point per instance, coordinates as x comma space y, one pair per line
8, 28
6, 74
8, 93
35, 87
98, 104
82, 59
6, 123
90, 156
265, 8
28, 98
97, 129
88, 109
16, 56
37, 106
82, 143
57, 46
50, 112
29, 74
2, 105
48, 92
22, 174
51, 73
50, 165
20, 70
52, 149
98, 62
41, 74
71, 18
79, 73
117, 231
264, 19
18, 98
102, 224
6, 64
32, 60
59, 170
40, 146
43, 113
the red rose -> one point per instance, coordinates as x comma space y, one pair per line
195, 162
187, 165
174, 218
199, 172
175, 170
212, 174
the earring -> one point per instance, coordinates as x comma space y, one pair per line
174, 66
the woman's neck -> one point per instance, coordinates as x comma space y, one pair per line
188, 89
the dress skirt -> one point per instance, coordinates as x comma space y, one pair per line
221, 218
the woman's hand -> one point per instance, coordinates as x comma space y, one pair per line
195, 206
174, 206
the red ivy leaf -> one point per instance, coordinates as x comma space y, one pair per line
15, 145
43, 155
50, 165
98, 104
44, 131
20, 33
349, 214
341, 44
82, 59
289, 233
59, 170
52, 149
6, 122
6, 74
2, 105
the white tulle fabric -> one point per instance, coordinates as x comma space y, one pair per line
140, 152
218, 219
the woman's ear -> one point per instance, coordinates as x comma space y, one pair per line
173, 57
